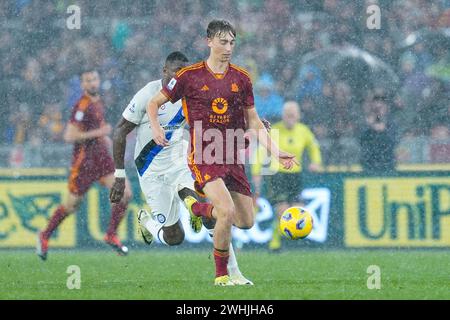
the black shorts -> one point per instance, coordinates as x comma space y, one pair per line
284, 187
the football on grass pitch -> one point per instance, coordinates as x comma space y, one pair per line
296, 223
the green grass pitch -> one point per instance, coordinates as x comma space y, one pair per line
180, 273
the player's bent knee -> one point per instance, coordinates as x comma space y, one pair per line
246, 223
226, 213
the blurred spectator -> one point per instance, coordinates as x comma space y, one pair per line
441, 68
378, 138
51, 123
31, 90
411, 148
310, 82
19, 124
415, 88
345, 115
423, 57
267, 101
121, 33
32, 151
309, 111
16, 156
440, 142
320, 119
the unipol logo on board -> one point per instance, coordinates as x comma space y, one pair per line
397, 212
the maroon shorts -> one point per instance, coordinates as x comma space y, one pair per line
232, 174
88, 167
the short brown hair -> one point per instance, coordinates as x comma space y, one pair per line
218, 27
87, 70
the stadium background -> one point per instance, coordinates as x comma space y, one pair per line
40, 59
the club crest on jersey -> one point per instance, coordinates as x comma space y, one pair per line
172, 83
79, 115
161, 218
234, 87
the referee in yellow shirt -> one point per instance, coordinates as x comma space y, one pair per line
284, 186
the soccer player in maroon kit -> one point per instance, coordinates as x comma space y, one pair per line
91, 162
217, 96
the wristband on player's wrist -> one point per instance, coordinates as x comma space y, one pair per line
120, 173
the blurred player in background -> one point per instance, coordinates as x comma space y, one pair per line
91, 162
164, 176
217, 96
284, 186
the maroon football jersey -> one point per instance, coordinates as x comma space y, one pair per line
213, 101
87, 115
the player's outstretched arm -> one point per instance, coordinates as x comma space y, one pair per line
73, 133
254, 123
123, 128
152, 111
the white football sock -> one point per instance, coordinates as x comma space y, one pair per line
155, 228
233, 267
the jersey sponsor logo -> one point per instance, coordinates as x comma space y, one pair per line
172, 83
234, 87
218, 118
132, 109
79, 115
204, 88
220, 105
161, 218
